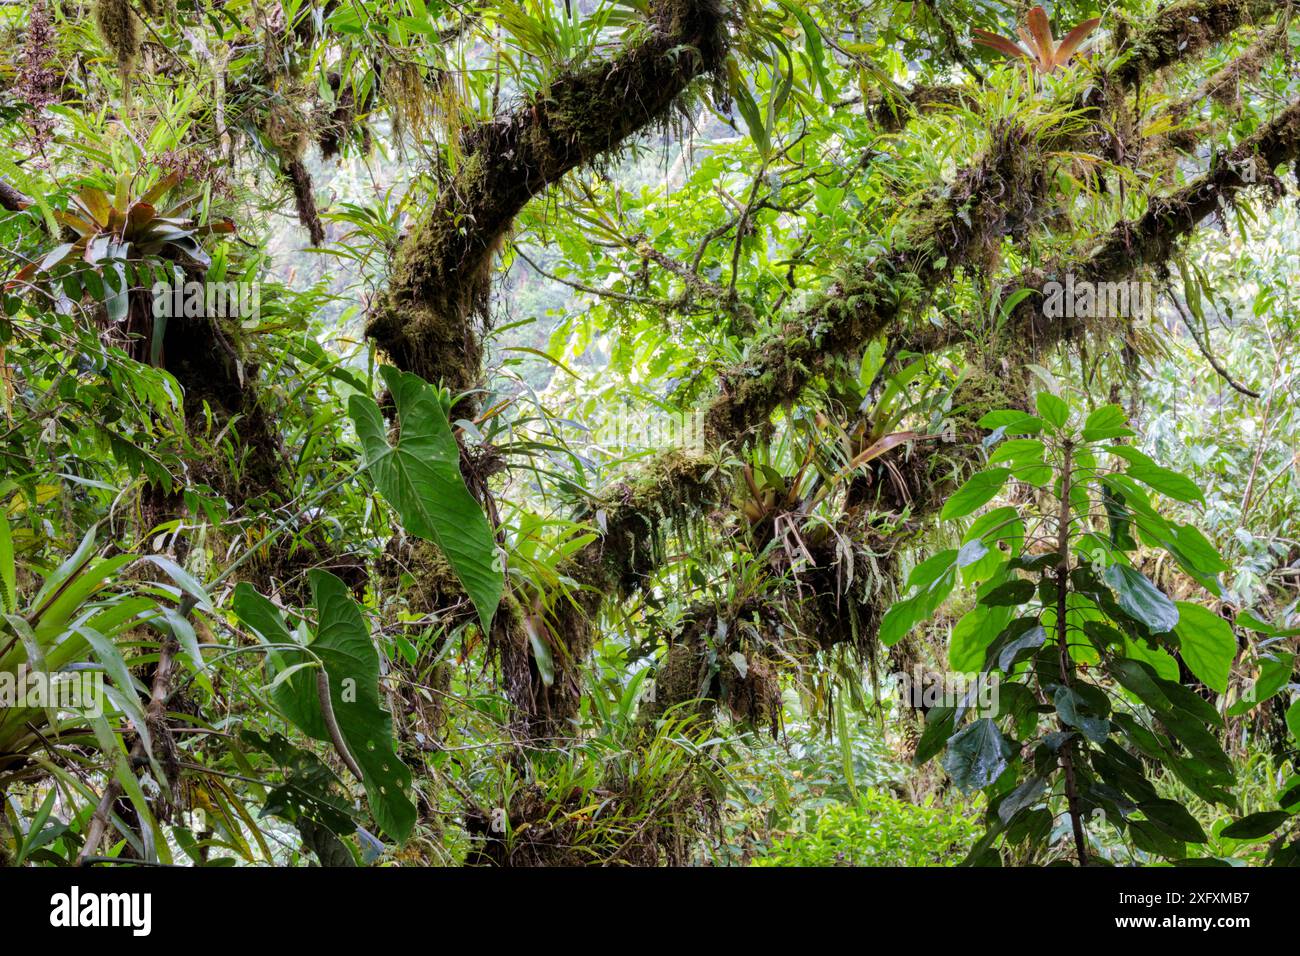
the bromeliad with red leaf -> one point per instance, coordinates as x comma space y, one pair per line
1042, 49
109, 239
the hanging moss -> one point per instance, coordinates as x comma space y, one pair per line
120, 29
1181, 31
304, 200
345, 121
672, 491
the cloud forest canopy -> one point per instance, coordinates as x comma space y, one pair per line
649, 432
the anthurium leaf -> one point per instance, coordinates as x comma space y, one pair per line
420, 477
1206, 645
976, 755
1140, 599
977, 491
343, 644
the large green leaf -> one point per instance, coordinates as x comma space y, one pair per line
971, 636
1140, 599
1053, 409
1255, 826
344, 648
935, 579
1156, 477
1206, 645
1174, 819
979, 490
420, 477
976, 755
1073, 710
1108, 421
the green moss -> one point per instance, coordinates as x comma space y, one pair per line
120, 28
672, 491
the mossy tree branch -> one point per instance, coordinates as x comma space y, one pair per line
1148, 241
440, 280
997, 197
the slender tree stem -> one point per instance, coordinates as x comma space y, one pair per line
1066, 664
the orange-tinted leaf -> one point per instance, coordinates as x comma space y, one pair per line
1032, 46
140, 215
1070, 45
1001, 44
882, 446
159, 188
223, 226
95, 203
75, 223
1042, 33
22, 275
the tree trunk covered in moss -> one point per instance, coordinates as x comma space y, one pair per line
426, 322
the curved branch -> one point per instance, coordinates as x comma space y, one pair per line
440, 279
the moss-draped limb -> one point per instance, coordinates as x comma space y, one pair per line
996, 197
439, 283
870, 297
1182, 31
1148, 241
